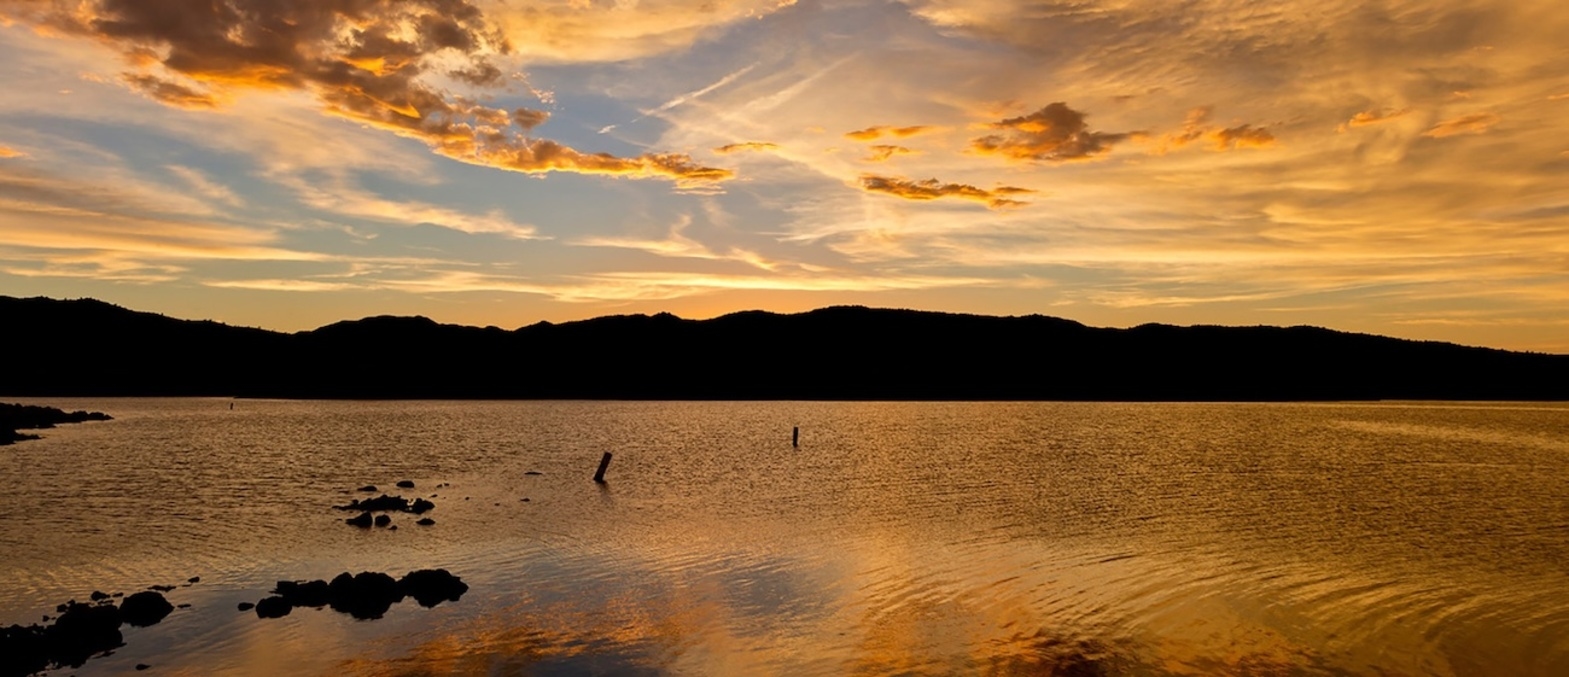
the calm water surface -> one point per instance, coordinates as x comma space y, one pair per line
900, 538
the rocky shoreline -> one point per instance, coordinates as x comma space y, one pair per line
17, 417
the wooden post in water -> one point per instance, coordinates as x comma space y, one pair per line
795, 437
604, 463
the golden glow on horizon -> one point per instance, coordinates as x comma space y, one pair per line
1287, 166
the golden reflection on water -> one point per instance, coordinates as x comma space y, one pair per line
909, 539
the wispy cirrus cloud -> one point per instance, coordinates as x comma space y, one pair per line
1471, 123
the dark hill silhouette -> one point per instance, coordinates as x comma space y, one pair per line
88, 347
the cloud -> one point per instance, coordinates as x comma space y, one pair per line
7, 152
171, 93
748, 146
883, 152
1197, 126
874, 133
1242, 136
932, 189
364, 60
205, 186
1473, 123
528, 119
1055, 133
1373, 117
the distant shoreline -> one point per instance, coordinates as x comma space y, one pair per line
17, 417
87, 348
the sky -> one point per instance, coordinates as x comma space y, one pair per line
1393, 167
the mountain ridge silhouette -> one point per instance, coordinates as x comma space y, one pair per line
87, 347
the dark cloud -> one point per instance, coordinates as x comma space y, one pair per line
171, 93
1055, 133
365, 60
528, 118
932, 189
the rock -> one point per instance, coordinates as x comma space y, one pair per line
194, 579
392, 528
98, 596
366, 595
60, 608
425, 522
273, 607
363, 520
525, 499
382, 520
533, 472
430, 587
82, 631
145, 608
405, 484
142, 666
421, 506
160, 588
246, 606
370, 488
182, 606
315, 594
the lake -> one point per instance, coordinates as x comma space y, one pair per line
897, 539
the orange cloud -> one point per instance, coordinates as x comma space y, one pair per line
1197, 126
364, 60
873, 133
1055, 133
1373, 117
932, 189
1241, 136
744, 147
1474, 123
881, 153
171, 93
7, 152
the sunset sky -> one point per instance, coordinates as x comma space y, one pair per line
1396, 167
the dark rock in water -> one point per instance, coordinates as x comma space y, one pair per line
304, 593
96, 596
60, 608
430, 587
405, 484
369, 487
382, 520
194, 579
524, 500
366, 595
246, 606
145, 608
392, 528
385, 503
160, 588
182, 606
142, 666
533, 472
118, 594
78, 634
425, 522
273, 607
363, 520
